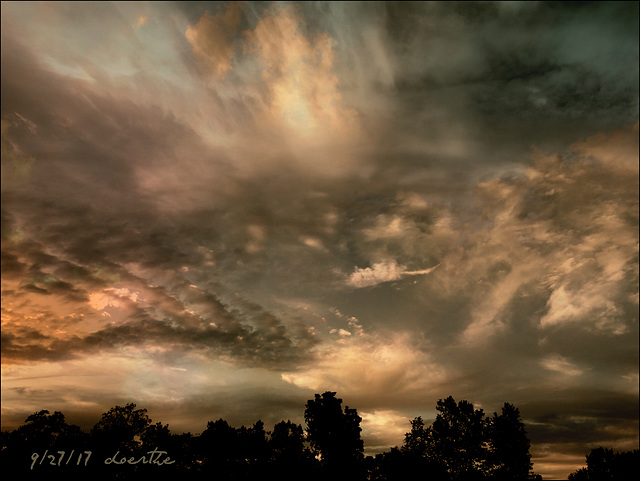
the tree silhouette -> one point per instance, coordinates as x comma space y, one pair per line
604, 464
415, 441
413, 460
216, 447
457, 439
580, 475
289, 459
41, 432
156, 435
252, 445
508, 457
334, 435
460, 445
287, 442
118, 435
121, 426
43, 428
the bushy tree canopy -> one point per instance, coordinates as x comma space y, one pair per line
122, 425
466, 445
334, 434
457, 438
508, 451
606, 465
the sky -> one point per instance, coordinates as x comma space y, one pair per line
216, 210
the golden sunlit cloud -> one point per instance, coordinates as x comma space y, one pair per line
617, 150
370, 366
384, 426
142, 19
561, 365
211, 38
381, 272
303, 88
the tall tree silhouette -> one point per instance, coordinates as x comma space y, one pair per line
118, 434
457, 439
334, 435
415, 441
413, 460
508, 457
253, 449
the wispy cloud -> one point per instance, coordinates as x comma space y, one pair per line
381, 272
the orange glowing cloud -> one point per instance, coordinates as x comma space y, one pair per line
211, 39
303, 89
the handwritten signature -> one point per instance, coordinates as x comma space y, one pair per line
60, 458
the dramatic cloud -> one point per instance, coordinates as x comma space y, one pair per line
212, 36
218, 213
381, 272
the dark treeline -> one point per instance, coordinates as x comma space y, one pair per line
606, 465
460, 445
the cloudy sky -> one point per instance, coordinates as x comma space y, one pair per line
218, 210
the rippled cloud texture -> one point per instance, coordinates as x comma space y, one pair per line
218, 210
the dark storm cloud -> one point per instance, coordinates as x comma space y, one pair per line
178, 316
583, 419
11, 266
520, 50
27, 345
174, 321
268, 346
81, 195
504, 76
